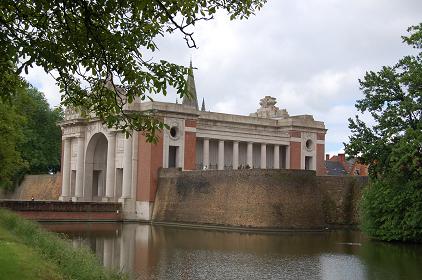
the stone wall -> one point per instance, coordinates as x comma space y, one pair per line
340, 198
282, 199
41, 187
69, 211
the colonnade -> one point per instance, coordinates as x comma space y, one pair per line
82, 151
249, 155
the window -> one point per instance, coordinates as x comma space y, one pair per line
172, 163
174, 131
309, 145
308, 163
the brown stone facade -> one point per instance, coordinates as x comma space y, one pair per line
282, 199
150, 160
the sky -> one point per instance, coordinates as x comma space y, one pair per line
309, 54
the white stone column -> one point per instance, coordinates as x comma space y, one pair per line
287, 157
111, 166
66, 169
221, 155
263, 156
206, 153
127, 168
276, 157
235, 154
132, 206
249, 154
79, 191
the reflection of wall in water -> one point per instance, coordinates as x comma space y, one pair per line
114, 249
155, 252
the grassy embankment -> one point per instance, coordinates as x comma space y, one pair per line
29, 252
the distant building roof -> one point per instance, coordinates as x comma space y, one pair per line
337, 165
335, 168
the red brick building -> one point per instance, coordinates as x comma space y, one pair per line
101, 164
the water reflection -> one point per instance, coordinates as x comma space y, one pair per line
155, 252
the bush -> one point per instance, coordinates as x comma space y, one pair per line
391, 210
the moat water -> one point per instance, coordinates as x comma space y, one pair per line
159, 252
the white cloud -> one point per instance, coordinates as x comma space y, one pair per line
45, 83
308, 54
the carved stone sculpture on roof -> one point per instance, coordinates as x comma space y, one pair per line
269, 110
70, 113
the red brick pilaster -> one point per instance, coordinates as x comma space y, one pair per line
295, 155
150, 159
190, 145
320, 165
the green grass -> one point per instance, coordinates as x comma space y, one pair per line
29, 252
18, 261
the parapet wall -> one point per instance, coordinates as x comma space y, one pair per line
281, 199
65, 211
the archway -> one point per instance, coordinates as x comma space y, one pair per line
95, 167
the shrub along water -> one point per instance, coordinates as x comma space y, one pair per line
391, 143
72, 263
391, 209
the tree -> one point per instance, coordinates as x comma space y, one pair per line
30, 139
41, 142
11, 162
89, 41
392, 204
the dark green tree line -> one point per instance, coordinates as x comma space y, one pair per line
30, 140
392, 204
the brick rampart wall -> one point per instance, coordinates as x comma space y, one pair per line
340, 198
41, 187
59, 210
282, 199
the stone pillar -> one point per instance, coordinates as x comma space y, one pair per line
206, 153
127, 168
79, 191
235, 154
221, 155
249, 155
263, 156
111, 168
66, 169
276, 157
287, 157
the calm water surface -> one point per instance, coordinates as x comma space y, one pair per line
158, 252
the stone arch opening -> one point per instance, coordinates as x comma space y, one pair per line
95, 167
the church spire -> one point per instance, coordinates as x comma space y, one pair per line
203, 104
190, 99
